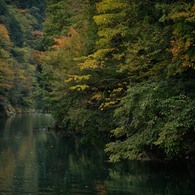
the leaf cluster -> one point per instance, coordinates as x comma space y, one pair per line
156, 117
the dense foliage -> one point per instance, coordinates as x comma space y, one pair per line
125, 67
72, 92
117, 68
19, 37
156, 117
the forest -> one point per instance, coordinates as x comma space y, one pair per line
114, 70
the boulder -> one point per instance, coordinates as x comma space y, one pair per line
6, 109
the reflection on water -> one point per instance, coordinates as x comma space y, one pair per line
34, 161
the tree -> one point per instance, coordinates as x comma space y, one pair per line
151, 117
17, 40
183, 35
135, 62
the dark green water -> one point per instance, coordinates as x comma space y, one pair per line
34, 161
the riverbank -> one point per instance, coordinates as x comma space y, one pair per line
7, 110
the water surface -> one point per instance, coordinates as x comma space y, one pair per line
35, 161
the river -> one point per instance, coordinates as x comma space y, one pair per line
35, 161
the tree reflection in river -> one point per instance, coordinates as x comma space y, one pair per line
34, 161
19, 169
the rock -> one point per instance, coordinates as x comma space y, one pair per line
6, 109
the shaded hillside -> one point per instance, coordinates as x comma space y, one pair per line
20, 25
